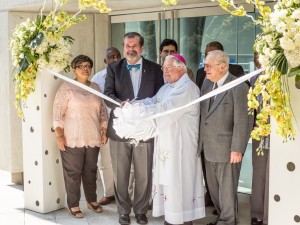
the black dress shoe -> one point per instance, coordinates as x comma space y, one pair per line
255, 221
208, 201
166, 223
124, 219
213, 223
141, 218
215, 212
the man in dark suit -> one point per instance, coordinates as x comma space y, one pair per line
234, 69
260, 164
225, 128
133, 77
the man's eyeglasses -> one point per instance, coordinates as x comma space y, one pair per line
84, 67
171, 52
207, 66
167, 68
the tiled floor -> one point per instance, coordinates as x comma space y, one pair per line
12, 210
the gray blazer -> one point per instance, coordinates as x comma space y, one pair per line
118, 86
226, 126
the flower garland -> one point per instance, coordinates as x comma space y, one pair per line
40, 43
278, 47
167, 3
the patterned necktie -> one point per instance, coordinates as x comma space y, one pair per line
211, 100
136, 66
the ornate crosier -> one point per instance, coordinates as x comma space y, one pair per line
40, 43
278, 47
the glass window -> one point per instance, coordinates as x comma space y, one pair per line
148, 29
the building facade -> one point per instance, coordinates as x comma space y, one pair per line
193, 24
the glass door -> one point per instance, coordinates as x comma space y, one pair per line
193, 29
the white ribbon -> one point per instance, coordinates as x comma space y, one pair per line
212, 93
208, 95
82, 86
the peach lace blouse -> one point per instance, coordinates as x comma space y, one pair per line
81, 114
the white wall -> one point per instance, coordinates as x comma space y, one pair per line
10, 124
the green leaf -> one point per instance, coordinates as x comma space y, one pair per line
69, 38
67, 68
40, 19
37, 40
280, 62
283, 66
294, 71
24, 65
297, 81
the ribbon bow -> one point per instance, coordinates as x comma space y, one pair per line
136, 66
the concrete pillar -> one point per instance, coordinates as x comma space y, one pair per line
11, 157
102, 39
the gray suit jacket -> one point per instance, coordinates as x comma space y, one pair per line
226, 126
118, 86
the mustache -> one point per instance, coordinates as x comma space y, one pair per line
131, 51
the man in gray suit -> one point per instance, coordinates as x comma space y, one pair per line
224, 133
133, 77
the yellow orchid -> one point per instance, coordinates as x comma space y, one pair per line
273, 44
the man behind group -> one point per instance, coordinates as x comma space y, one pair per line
260, 164
170, 47
234, 69
131, 77
225, 128
104, 161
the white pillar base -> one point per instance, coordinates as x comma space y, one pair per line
284, 194
43, 179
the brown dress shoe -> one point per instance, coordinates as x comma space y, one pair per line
106, 200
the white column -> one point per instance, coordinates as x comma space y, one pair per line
284, 195
11, 158
43, 179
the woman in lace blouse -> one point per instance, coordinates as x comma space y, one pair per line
80, 122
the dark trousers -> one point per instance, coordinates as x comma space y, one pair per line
122, 154
223, 179
207, 194
260, 184
80, 163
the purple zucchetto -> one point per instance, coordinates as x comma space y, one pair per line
179, 57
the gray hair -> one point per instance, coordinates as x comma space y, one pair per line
219, 56
176, 62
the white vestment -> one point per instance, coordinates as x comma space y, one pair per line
177, 174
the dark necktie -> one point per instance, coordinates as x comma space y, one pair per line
211, 100
136, 66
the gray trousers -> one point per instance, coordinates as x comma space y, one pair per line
223, 179
122, 154
80, 163
260, 184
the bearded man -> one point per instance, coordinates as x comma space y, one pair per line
133, 77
